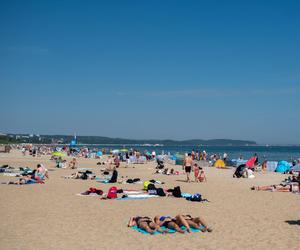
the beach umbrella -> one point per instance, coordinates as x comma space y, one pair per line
124, 150
115, 151
251, 161
58, 154
99, 153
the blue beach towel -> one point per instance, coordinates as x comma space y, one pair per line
193, 230
103, 181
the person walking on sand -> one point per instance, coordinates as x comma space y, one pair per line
187, 165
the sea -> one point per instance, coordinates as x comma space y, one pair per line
270, 153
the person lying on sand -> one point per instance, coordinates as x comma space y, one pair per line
287, 186
86, 175
23, 181
278, 188
146, 224
173, 223
197, 222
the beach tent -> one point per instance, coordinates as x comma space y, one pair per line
219, 164
283, 167
296, 168
173, 157
250, 162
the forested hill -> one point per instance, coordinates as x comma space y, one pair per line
65, 139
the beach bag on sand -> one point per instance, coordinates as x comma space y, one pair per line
195, 197
151, 187
160, 192
112, 193
114, 177
146, 183
177, 192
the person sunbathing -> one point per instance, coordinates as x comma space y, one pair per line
146, 224
197, 223
24, 180
283, 187
173, 223
82, 175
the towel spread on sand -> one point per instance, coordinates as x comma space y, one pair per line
90, 195
193, 230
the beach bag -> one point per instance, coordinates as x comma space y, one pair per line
112, 193
195, 197
160, 192
176, 192
146, 183
151, 187
114, 177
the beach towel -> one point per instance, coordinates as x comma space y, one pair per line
103, 181
193, 230
140, 196
90, 195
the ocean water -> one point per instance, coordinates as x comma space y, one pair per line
270, 153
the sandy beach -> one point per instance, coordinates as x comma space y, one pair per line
52, 216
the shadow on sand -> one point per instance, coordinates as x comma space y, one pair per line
293, 222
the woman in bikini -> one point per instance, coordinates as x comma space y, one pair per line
197, 223
173, 223
145, 223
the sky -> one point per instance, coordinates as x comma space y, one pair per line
152, 69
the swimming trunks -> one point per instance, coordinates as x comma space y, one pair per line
188, 169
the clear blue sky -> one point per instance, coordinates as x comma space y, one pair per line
152, 69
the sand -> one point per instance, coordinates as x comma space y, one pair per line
51, 216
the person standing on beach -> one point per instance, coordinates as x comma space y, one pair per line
187, 165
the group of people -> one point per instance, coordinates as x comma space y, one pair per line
38, 175
179, 223
189, 165
291, 184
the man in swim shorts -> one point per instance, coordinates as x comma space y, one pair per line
187, 164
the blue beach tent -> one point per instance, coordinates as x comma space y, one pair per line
283, 167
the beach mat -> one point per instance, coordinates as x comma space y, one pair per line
135, 228
90, 195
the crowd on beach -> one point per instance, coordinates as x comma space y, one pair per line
110, 162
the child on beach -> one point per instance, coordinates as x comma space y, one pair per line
199, 174
196, 172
